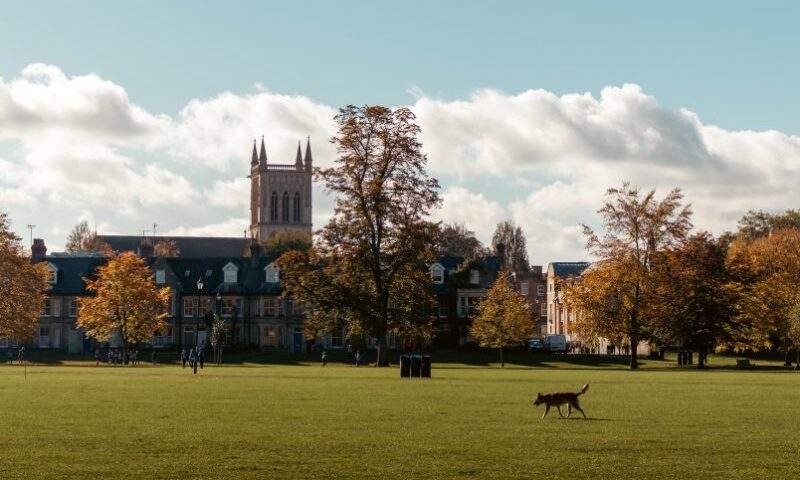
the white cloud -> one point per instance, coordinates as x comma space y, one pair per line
481, 215
232, 227
70, 144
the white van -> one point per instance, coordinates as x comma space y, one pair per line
556, 343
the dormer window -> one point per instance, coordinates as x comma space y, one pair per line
161, 277
272, 273
230, 273
437, 273
52, 274
474, 277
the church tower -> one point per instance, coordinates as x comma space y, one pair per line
280, 194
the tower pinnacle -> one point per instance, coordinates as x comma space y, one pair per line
262, 156
254, 159
298, 162
308, 158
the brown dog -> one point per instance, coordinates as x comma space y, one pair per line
561, 398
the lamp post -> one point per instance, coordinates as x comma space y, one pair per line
197, 314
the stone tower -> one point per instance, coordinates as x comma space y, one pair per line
280, 194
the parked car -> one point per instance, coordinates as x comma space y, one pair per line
556, 344
536, 345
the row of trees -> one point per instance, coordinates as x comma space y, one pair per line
657, 281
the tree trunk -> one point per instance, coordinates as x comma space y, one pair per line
502, 359
787, 358
701, 360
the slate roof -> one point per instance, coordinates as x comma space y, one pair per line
489, 267
70, 273
567, 269
182, 274
207, 247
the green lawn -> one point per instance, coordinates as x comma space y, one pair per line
303, 421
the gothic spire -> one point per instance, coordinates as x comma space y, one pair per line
298, 162
262, 156
309, 159
254, 160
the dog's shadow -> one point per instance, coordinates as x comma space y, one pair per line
588, 419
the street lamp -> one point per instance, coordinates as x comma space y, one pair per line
197, 315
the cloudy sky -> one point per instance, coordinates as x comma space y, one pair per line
528, 111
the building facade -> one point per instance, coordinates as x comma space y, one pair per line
559, 315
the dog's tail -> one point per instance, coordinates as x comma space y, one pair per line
583, 390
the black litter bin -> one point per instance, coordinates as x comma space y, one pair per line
416, 365
405, 366
426, 366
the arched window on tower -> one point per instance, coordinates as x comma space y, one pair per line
296, 208
285, 207
273, 208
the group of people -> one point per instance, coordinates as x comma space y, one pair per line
115, 357
195, 357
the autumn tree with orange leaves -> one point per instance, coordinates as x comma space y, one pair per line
125, 301
22, 287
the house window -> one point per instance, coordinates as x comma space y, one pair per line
161, 277
272, 273
540, 290
437, 273
337, 339
208, 273
285, 207
73, 307
189, 306
273, 207
52, 274
467, 305
230, 273
228, 306
523, 288
47, 307
44, 331
271, 336
296, 207
442, 310
269, 306
474, 277
544, 309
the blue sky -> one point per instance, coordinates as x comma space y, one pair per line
704, 75
733, 62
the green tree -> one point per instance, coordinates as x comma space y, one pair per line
379, 236
758, 223
22, 286
637, 228
514, 251
219, 336
456, 240
694, 296
503, 318
282, 242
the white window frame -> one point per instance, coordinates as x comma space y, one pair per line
540, 290
73, 307
52, 274
437, 273
47, 307
474, 276
161, 277
272, 273
524, 287
230, 273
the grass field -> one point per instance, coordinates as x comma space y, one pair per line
306, 422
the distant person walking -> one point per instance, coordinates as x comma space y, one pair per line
21, 355
183, 358
324, 358
96, 357
155, 357
358, 357
201, 357
193, 360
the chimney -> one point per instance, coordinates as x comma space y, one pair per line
38, 249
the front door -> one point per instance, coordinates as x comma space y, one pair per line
298, 340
